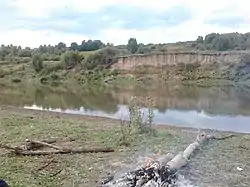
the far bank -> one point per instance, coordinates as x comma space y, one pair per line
104, 67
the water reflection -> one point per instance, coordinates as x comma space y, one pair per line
222, 108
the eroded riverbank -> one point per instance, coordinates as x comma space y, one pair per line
217, 161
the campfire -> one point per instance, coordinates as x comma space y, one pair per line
160, 172
154, 173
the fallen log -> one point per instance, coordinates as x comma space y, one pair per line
162, 172
64, 151
22, 150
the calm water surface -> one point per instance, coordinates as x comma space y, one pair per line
221, 108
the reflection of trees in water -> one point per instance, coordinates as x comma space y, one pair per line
214, 100
243, 96
175, 97
49, 97
15, 95
89, 99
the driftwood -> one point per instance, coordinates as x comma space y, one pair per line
27, 150
162, 172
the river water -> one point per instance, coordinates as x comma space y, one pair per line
220, 108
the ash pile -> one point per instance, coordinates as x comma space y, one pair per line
155, 173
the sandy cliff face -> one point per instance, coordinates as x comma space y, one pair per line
174, 58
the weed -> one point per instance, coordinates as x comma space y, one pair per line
150, 103
136, 125
126, 136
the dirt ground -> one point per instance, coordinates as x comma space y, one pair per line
214, 165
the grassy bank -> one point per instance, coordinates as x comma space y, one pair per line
216, 162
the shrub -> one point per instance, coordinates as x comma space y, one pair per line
53, 67
37, 62
55, 77
71, 58
102, 59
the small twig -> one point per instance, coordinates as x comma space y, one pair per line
14, 148
225, 137
56, 173
242, 147
46, 165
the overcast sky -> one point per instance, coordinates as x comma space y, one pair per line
35, 22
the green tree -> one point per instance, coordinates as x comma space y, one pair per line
3, 52
222, 43
62, 46
74, 46
199, 40
91, 45
132, 45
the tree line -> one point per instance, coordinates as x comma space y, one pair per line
11, 50
213, 41
223, 42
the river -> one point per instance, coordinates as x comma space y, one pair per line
219, 108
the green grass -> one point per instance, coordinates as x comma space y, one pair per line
88, 169
18, 125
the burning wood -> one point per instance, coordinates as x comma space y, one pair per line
161, 172
153, 173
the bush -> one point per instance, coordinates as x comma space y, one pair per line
71, 58
53, 67
93, 61
2, 73
55, 77
102, 58
37, 62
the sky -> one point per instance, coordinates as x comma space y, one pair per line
37, 22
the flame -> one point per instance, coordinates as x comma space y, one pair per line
149, 161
